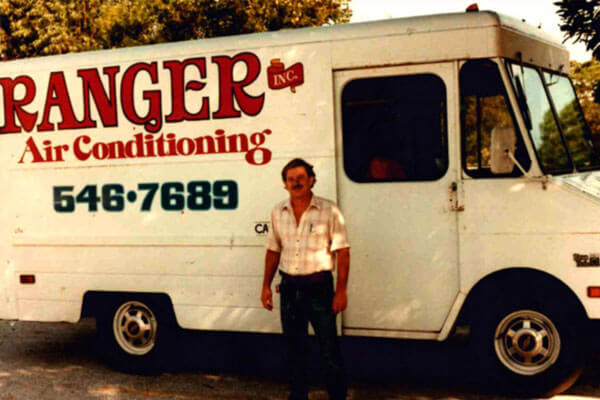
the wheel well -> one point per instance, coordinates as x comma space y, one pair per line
96, 303
523, 282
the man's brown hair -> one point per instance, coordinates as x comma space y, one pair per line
298, 162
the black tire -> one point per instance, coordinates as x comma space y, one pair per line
528, 348
135, 334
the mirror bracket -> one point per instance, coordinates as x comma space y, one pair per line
543, 179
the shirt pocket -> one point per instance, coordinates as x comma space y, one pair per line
318, 236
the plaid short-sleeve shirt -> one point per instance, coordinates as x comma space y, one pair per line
308, 247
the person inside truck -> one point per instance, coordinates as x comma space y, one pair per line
383, 168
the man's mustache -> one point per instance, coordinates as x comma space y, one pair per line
297, 187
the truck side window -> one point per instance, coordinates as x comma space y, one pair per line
394, 128
484, 107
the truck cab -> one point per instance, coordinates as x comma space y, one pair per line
467, 178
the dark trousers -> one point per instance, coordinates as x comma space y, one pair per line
305, 300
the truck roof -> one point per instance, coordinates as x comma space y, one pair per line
431, 38
406, 26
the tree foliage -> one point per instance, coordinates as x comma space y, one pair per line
42, 27
580, 141
32, 28
124, 23
584, 77
551, 149
230, 17
581, 22
494, 114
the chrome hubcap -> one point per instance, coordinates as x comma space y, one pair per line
134, 328
527, 342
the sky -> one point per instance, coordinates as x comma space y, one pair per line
535, 12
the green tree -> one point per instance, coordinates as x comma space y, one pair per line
231, 17
42, 27
584, 75
551, 148
125, 23
581, 22
493, 113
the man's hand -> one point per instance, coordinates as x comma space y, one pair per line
340, 298
340, 301
271, 262
267, 298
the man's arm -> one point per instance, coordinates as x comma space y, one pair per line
271, 263
340, 299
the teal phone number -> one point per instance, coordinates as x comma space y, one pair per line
172, 196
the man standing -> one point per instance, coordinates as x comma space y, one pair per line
307, 235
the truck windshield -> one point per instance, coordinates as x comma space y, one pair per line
561, 137
579, 139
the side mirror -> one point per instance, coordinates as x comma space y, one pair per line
504, 141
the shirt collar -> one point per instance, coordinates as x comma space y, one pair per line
315, 202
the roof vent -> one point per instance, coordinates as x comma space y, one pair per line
473, 8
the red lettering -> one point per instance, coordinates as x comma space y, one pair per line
31, 147
230, 89
135, 148
185, 146
100, 151
13, 106
93, 88
79, 153
280, 80
153, 120
236, 74
177, 68
58, 96
258, 139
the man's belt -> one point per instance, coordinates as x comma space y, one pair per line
302, 280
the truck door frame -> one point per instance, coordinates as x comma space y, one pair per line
447, 198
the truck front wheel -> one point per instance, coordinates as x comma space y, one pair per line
529, 348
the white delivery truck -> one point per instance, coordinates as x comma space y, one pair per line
138, 185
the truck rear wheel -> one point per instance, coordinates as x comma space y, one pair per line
528, 348
135, 333
134, 328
